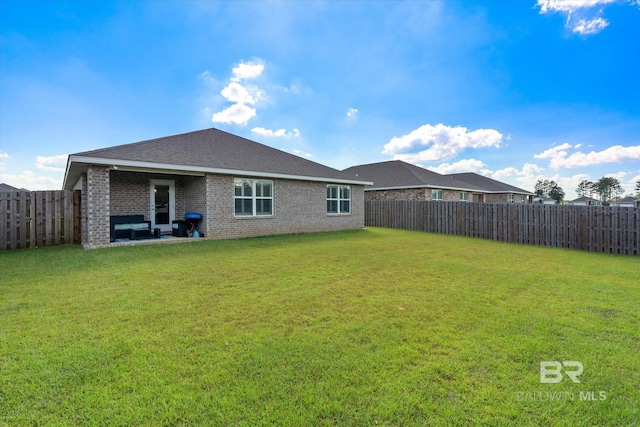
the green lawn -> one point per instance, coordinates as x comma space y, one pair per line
360, 328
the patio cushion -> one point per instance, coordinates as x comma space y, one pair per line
139, 226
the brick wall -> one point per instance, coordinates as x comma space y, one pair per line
400, 194
97, 207
413, 194
299, 207
504, 198
81, 184
129, 193
447, 195
194, 191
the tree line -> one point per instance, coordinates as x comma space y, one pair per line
606, 189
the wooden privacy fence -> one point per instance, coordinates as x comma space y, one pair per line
593, 228
39, 218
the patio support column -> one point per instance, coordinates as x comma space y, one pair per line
98, 209
207, 223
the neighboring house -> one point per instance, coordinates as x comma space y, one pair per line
627, 202
495, 191
585, 201
6, 188
398, 180
241, 188
544, 200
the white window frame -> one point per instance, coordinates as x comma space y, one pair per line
434, 192
464, 196
523, 198
253, 197
339, 199
511, 198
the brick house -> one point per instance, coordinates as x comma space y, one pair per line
241, 188
495, 191
398, 180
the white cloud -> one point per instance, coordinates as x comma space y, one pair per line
352, 113
618, 175
528, 170
31, 181
559, 157
237, 113
439, 142
583, 16
235, 92
247, 70
506, 172
465, 165
553, 152
4, 155
277, 133
569, 6
239, 93
592, 26
52, 163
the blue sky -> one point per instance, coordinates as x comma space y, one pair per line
515, 90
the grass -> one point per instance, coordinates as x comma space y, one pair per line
367, 327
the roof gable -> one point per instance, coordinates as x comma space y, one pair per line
207, 150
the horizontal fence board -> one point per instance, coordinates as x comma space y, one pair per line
39, 218
606, 229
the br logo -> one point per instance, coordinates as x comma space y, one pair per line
551, 371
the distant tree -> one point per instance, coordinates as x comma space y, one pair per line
549, 188
585, 188
608, 188
557, 194
637, 188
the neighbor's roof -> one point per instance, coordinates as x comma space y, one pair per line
628, 199
585, 199
205, 151
488, 184
6, 188
396, 174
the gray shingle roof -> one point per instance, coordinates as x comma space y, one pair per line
487, 184
212, 149
6, 188
585, 199
399, 174
629, 199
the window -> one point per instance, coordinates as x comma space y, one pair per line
436, 194
523, 198
464, 196
253, 198
511, 198
338, 199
